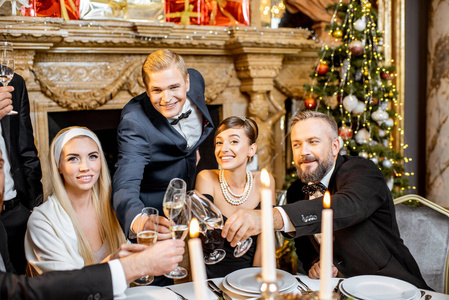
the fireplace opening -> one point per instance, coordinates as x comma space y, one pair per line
105, 122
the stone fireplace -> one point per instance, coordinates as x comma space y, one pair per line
84, 72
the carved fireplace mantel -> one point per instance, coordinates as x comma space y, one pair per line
96, 65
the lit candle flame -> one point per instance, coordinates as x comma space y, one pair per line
194, 228
327, 200
265, 178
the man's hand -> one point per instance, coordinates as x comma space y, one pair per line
241, 225
314, 271
125, 250
163, 229
5, 100
155, 260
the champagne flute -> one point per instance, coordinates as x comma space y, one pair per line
7, 65
176, 186
179, 219
147, 235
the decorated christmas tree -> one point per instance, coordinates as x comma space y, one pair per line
354, 84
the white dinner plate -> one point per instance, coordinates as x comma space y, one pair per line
149, 293
245, 280
238, 292
373, 287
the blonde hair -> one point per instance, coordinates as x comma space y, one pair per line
110, 231
162, 60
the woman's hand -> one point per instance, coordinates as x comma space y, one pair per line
314, 271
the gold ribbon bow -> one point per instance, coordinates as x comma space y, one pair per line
64, 13
186, 14
118, 7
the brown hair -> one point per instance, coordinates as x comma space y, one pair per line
248, 125
161, 60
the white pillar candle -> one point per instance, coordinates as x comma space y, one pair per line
326, 249
268, 242
197, 262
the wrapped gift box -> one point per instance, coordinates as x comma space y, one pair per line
145, 10
52, 8
186, 12
228, 12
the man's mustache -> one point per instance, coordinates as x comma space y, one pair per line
307, 159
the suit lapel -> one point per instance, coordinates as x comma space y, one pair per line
338, 164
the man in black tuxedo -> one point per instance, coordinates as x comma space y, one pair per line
158, 136
23, 188
366, 235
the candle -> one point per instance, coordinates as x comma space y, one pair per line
196, 262
326, 249
268, 242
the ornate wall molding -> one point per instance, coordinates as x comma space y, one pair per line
93, 65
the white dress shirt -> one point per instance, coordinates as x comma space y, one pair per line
2, 264
10, 192
119, 284
188, 127
288, 225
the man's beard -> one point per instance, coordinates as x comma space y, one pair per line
318, 173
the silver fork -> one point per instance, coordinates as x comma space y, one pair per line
305, 285
303, 291
179, 295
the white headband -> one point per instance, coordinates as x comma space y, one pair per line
67, 136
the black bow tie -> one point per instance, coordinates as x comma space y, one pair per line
310, 189
181, 116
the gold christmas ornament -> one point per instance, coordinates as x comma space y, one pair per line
337, 33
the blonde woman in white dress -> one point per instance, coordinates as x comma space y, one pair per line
76, 225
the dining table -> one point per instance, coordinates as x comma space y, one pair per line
187, 291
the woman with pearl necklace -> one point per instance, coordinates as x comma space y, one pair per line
234, 186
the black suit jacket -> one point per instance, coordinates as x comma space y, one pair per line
366, 234
93, 282
22, 153
152, 152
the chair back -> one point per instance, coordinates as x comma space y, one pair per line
425, 231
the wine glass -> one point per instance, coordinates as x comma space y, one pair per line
211, 223
242, 246
7, 65
179, 219
147, 235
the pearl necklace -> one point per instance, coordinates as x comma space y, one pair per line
232, 198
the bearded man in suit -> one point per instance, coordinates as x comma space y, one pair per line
366, 234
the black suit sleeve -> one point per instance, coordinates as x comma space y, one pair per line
358, 189
22, 138
92, 282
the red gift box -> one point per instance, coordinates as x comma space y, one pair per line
52, 8
228, 12
186, 12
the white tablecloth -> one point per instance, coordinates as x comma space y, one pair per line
186, 289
